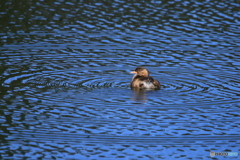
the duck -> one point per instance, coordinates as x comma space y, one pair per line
142, 80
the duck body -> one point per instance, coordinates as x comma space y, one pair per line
142, 80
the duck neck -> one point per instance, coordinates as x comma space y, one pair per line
137, 76
134, 76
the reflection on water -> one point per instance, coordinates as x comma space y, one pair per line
64, 75
141, 95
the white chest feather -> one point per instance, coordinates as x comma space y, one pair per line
148, 85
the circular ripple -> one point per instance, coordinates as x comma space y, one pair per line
210, 85
185, 86
58, 79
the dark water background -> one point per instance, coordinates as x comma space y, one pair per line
64, 79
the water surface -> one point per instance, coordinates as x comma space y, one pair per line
64, 69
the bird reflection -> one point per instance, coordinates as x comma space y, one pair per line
141, 95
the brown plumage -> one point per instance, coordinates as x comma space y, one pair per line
142, 80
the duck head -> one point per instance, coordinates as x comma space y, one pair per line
141, 71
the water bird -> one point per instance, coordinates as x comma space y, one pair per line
142, 80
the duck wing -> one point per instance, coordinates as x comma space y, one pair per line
157, 84
144, 82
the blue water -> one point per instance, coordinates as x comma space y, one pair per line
64, 79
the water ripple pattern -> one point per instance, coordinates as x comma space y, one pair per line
64, 79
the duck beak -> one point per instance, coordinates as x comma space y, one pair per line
133, 72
